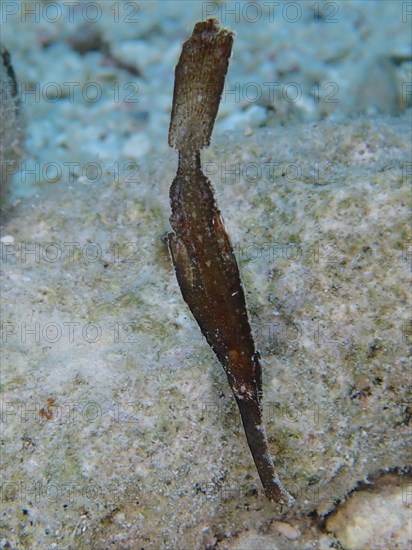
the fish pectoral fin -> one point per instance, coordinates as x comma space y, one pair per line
184, 268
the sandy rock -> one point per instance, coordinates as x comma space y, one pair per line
379, 517
110, 389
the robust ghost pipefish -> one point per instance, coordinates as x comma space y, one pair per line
202, 254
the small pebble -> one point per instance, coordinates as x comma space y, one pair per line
136, 147
286, 530
85, 39
7, 239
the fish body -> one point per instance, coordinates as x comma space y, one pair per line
201, 251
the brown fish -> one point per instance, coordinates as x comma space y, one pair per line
202, 254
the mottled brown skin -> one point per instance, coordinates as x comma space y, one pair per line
207, 271
206, 267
